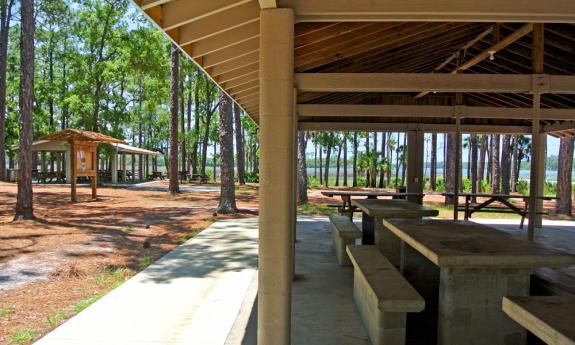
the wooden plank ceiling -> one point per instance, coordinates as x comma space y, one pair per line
222, 37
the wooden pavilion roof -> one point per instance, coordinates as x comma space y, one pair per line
411, 36
71, 134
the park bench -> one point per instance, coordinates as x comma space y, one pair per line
550, 318
344, 233
382, 295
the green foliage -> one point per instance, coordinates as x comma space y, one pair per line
56, 318
24, 335
315, 209
87, 301
523, 187
252, 177
6, 312
146, 261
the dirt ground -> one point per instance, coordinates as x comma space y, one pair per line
57, 265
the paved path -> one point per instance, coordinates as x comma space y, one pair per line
193, 295
161, 188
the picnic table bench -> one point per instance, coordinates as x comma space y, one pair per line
550, 318
505, 205
49, 176
344, 234
382, 296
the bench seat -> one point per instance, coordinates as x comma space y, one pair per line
344, 233
548, 281
382, 295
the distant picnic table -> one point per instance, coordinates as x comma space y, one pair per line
156, 174
346, 206
505, 205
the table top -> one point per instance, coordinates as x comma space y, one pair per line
506, 196
465, 244
332, 193
393, 208
551, 318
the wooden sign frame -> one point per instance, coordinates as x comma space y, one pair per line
84, 161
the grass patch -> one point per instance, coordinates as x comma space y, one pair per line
87, 301
6, 312
55, 319
310, 209
112, 277
146, 261
24, 335
190, 234
128, 228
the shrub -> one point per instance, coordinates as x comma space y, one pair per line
252, 177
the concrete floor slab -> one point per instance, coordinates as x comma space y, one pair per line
190, 296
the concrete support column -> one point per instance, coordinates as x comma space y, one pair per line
415, 150
68, 166
115, 166
277, 143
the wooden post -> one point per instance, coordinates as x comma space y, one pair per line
538, 54
124, 167
133, 167
415, 152
95, 175
457, 177
115, 165
276, 176
73, 171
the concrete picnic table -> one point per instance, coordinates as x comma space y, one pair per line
374, 210
550, 318
463, 270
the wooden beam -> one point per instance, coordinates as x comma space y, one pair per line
238, 73
415, 82
264, 4
241, 81
400, 127
147, 4
180, 12
526, 11
538, 48
233, 65
225, 39
220, 22
428, 111
231, 52
559, 126
517, 34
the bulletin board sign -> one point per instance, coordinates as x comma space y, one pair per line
85, 158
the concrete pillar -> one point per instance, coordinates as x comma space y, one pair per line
68, 166
115, 166
277, 140
415, 150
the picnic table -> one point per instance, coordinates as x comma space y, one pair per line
550, 318
506, 206
374, 210
463, 270
347, 207
156, 174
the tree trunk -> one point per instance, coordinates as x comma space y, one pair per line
302, 169
403, 165
564, 172
450, 166
196, 125
183, 124
374, 162
327, 158
315, 161
514, 170
481, 165
189, 126
5, 15
382, 172
24, 204
320, 166
240, 145
474, 149
354, 168
495, 163
214, 162
173, 160
337, 163
506, 165
367, 175
397, 162
345, 160
433, 163
228, 188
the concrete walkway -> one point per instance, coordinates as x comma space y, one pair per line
193, 295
